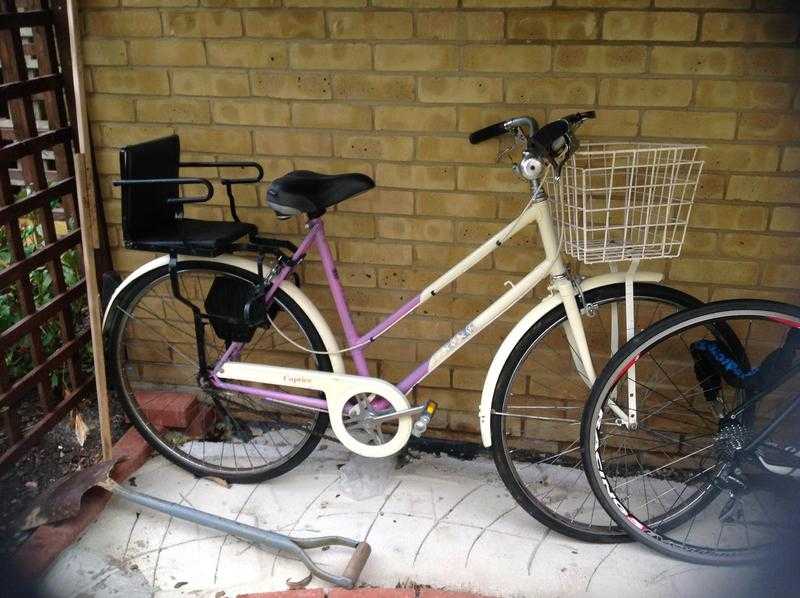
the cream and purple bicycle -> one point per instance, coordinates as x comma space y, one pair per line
240, 335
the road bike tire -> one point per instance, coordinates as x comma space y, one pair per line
718, 319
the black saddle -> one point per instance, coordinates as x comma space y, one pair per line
303, 191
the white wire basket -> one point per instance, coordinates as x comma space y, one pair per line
625, 201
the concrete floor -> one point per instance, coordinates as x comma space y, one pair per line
437, 521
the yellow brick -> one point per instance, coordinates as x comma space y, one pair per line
772, 62
714, 271
416, 57
711, 186
167, 52
338, 56
762, 188
483, 178
507, 3
563, 24
210, 83
250, 112
121, 135
131, 80
454, 149
413, 118
768, 126
369, 25
331, 116
173, 110
217, 140
609, 122
475, 26
384, 147
383, 201
772, 247
726, 4
284, 23
694, 125
758, 28
645, 92
247, 54
546, 91
129, 23
791, 159
415, 176
104, 52
507, 58
714, 216
104, 107
361, 86
718, 62
415, 3
370, 252
204, 23
461, 205
468, 90
785, 219
700, 243
302, 86
744, 94
350, 225
656, 26
782, 275
325, 3
280, 142
741, 157
415, 229
600, 59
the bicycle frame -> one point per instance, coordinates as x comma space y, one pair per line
538, 212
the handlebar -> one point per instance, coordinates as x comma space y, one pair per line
501, 128
547, 142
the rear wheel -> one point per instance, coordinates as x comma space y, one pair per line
539, 400
153, 369
687, 481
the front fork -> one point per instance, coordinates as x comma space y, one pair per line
576, 337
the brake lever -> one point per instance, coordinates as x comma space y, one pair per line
519, 138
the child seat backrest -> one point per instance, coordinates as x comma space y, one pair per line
144, 207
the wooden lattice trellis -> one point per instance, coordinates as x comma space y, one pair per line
38, 193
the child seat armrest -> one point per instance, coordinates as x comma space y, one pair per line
178, 181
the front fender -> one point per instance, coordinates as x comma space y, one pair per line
513, 337
325, 332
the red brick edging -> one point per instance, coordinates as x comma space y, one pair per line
49, 541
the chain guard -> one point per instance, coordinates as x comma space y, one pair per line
339, 389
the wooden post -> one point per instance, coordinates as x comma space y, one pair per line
84, 178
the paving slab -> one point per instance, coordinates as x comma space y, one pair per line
437, 522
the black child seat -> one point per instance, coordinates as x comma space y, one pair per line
152, 211
306, 192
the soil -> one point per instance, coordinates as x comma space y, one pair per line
56, 455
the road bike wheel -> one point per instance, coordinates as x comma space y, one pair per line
153, 367
539, 399
694, 480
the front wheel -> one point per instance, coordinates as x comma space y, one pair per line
538, 403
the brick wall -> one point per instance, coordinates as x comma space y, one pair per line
391, 88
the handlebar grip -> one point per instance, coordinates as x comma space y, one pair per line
357, 561
486, 133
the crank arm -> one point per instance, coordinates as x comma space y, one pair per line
379, 419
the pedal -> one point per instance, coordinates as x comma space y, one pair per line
421, 425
